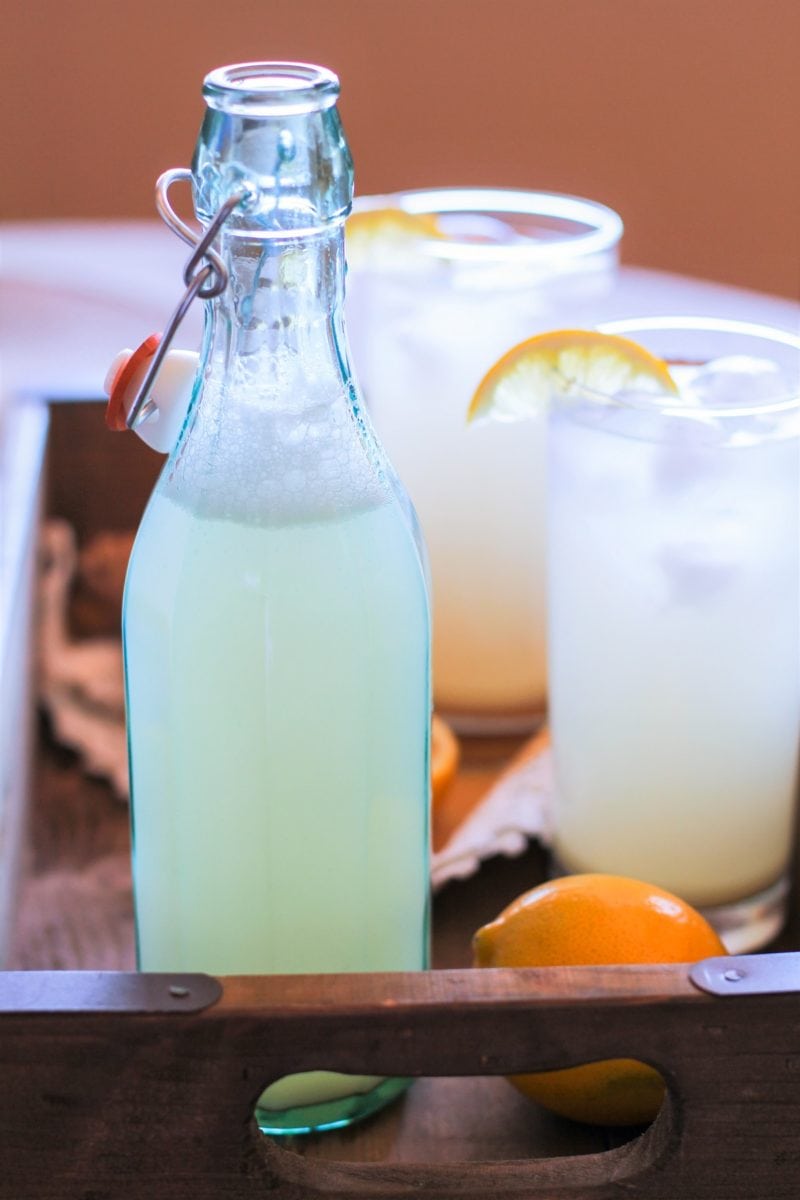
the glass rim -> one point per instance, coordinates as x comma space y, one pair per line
603, 227
270, 89
662, 403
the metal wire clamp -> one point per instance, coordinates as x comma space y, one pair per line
206, 281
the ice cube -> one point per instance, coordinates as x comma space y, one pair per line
696, 573
683, 461
737, 381
476, 227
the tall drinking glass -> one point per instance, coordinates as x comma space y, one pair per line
674, 629
427, 318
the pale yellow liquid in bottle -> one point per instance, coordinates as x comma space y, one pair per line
276, 692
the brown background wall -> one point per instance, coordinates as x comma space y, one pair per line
681, 114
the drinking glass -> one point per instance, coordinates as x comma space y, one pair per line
427, 318
674, 627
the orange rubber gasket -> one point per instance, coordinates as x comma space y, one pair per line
116, 417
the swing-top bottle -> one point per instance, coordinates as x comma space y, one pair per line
276, 623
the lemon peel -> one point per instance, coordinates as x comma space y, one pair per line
566, 362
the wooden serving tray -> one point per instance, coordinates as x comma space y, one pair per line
111, 1088
112, 1085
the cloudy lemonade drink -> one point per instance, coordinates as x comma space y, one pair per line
435, 297
674, 583
316, 864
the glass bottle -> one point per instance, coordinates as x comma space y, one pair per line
276, 619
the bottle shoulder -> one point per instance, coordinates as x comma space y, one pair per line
362, 562
269, 451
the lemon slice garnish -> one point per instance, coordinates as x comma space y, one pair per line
374, 232
566, 362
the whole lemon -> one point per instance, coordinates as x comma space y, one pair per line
602, 919
445, 756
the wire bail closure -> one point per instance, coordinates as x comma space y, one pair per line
206, 281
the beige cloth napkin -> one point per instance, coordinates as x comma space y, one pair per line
515, 809
80, 682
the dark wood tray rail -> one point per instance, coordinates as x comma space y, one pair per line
117, 1085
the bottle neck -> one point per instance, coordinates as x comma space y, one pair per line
272, 134
279, 322
275, 433
281, 291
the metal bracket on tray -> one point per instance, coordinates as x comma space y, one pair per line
748, 975
105, 991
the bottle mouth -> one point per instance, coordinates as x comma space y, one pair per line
270, 89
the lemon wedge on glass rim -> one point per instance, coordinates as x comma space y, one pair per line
567, 362
373, 232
